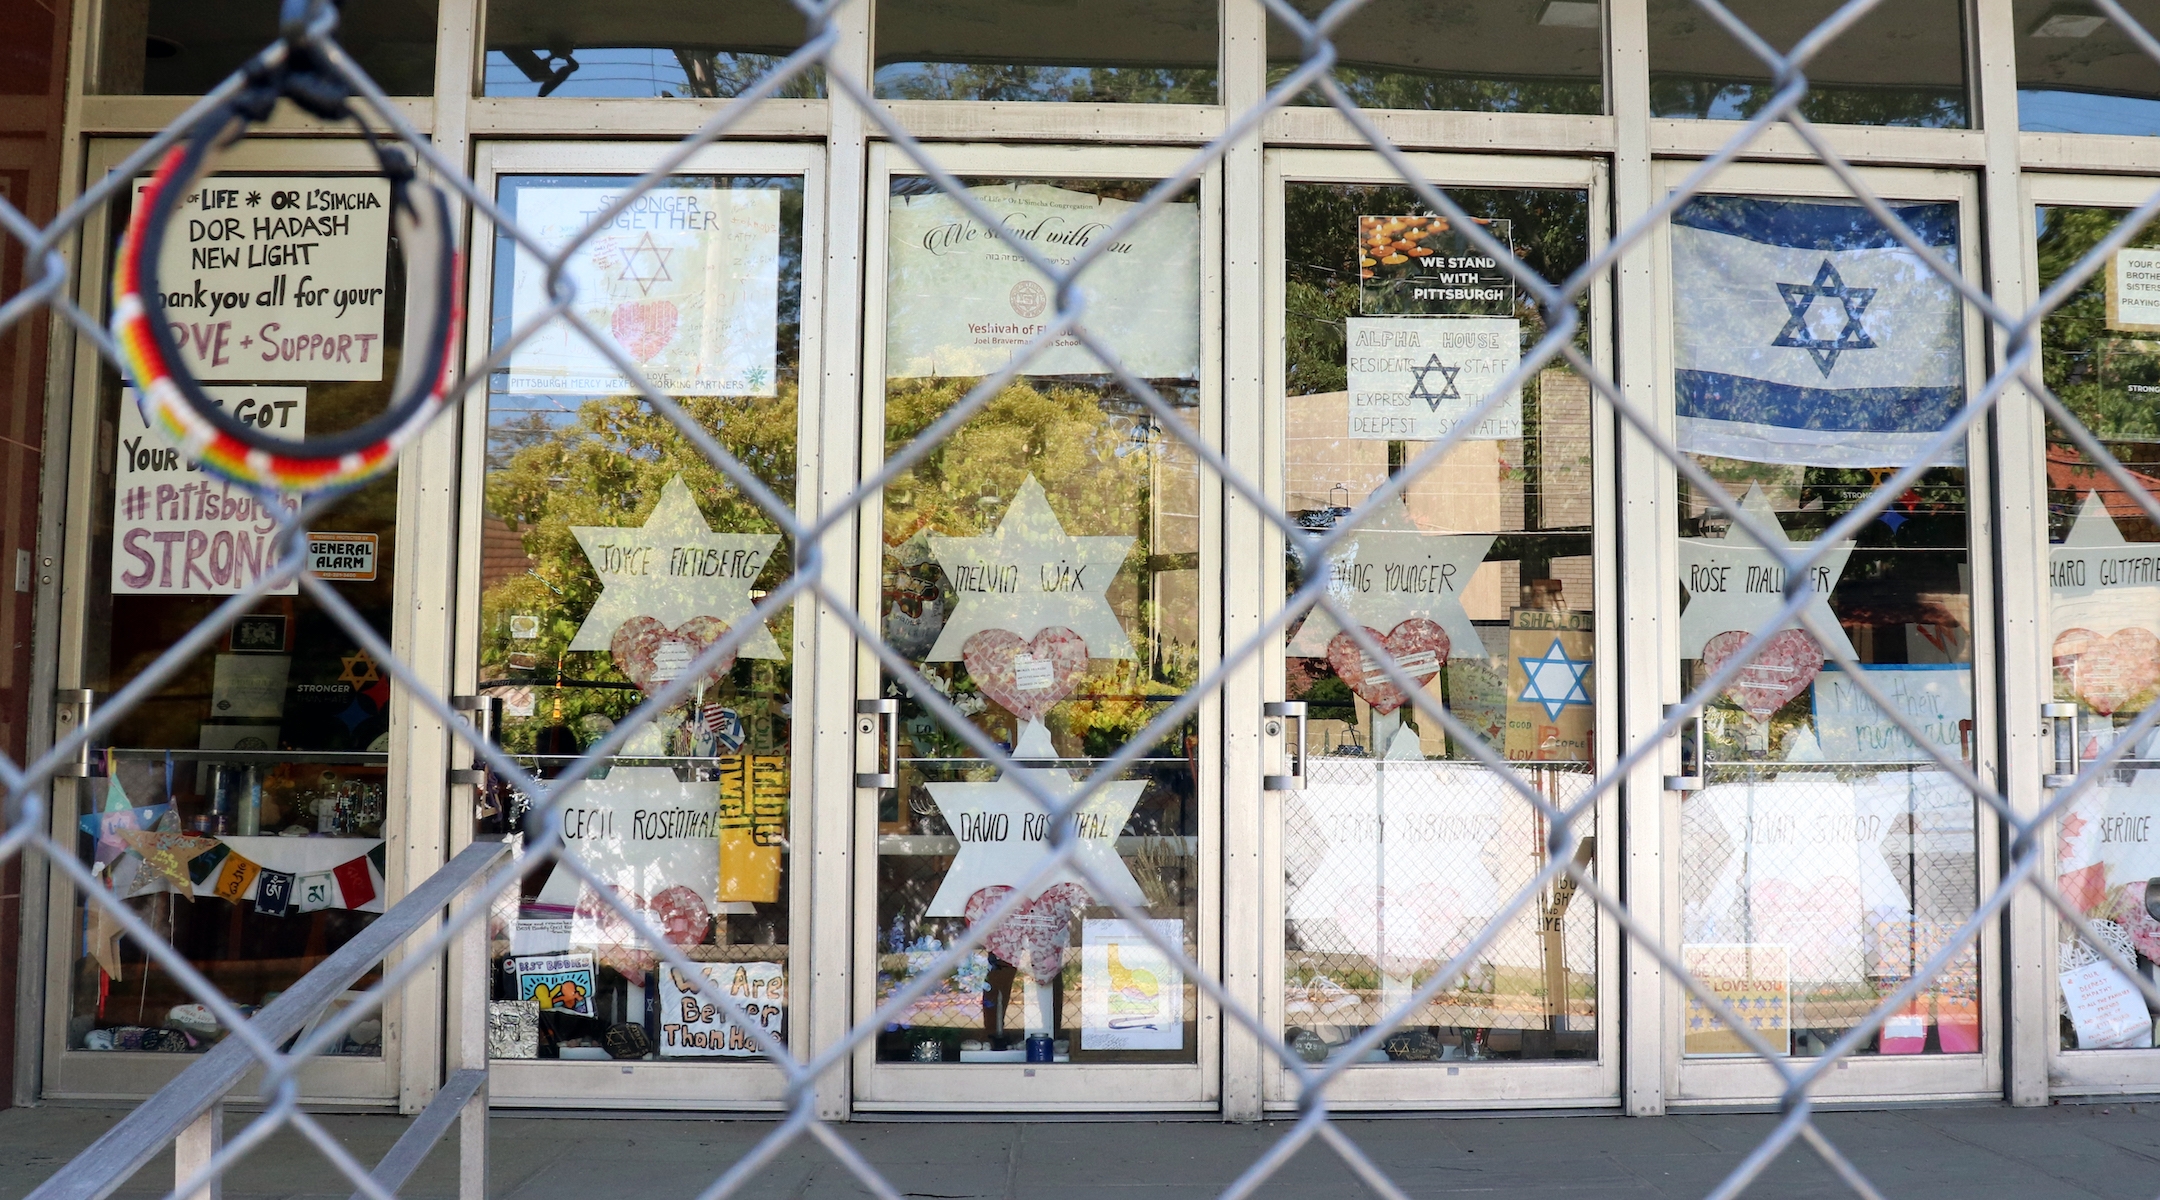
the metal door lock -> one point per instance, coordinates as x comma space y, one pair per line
1293, 711
2063, 716
869, 715
1691, 777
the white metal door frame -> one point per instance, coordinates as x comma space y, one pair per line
1860, 1077
1079, 1087
683, 1084
1559, 1083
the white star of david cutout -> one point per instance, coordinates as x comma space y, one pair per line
2097, 580
1553, 681
1004, 834
1391, 571
671, 569
1734, 584
1029, 576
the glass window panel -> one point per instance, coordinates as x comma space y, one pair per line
1097, 51
2079, 72
612, 553
1513, 56
174, 48
2101, 358
283, 726
1901, 64
1480, 583
1826, 856
1042, 569
645, 49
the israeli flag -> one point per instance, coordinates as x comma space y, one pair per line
1805, 333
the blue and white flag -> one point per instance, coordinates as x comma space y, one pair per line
1805, 333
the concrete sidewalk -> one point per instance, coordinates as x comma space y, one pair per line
1973, 1153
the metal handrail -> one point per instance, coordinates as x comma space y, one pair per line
128, 1146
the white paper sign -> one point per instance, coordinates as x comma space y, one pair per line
1132, 995
1853, 728
1004, 836
278, 277
180, 532
648, 834
686, 280
2133, 291
2106, 1009
962, 301
1732, 584
248, 687
695, 1026
2114, 828
2100, 580
1391, 571
1415, 378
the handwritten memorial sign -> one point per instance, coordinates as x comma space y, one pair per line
694, 1026
2101, 581
1132, 995
2106, 1009
652, 838
673, 570
1852, 728
1416, 378
1004, 835
1030, 575
686, 280
278, 276
1733, 584
180, 532
1392, 571
963, 301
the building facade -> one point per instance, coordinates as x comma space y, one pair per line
1066, 567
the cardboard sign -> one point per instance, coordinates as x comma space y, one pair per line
1416, 378
180, 532
1755, 981
278, 277
1550, 678
1851, 727
693, 1026
342, 555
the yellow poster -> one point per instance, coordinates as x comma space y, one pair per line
1549, 686
753, 825
1755, 981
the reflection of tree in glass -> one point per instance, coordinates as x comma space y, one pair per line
606, 466
2089, 367
1071, 85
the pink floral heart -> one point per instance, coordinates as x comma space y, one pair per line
1786, 664
1419, 648
2115, 673
645, 327
653, 655
1034, 937
1027, 677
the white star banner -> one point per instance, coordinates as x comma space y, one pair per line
1004, 835
1805, 333
1030, 575
1416, 378
1393, 570
2100, 580
686, 280
671, 571
1734, 584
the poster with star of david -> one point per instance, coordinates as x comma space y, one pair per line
1805, 332
1417, 378
686, 281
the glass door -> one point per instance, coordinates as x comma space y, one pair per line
2101, 622
604, 552
254, 810
1049, 568
1393, 843
1825, 856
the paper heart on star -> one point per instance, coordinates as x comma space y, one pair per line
645, 327
2117, 673
1783, 668
1034, 936
1027, 677
653, 655
1419, 647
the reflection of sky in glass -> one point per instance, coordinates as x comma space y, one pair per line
2084, 112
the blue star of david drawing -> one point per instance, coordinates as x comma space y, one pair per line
1422, 390
1827, 286
1554, 681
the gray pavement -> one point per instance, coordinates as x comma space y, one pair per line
1973, 1153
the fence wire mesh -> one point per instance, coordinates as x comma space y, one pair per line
1457, 961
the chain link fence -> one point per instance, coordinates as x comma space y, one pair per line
1357, 983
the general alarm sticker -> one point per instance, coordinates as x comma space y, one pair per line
342, 555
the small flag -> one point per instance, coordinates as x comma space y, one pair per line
354, 885
273, 895
204, 867
235, 877
312, 893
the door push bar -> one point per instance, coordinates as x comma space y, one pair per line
76, 704
486, 721
869, 716
1691, 777
1277, 712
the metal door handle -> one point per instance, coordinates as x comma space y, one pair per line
1294, 711
484, 710
1694, 782
2064, 717
869, 715
83, 701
